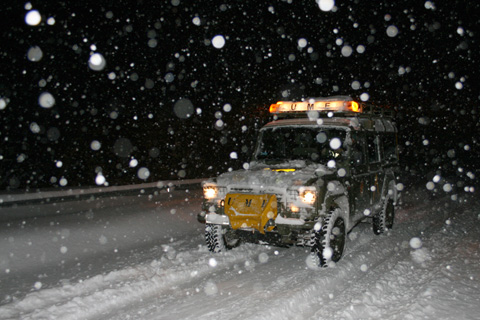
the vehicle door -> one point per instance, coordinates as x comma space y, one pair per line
359, 193
375, 170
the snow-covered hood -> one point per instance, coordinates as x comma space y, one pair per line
262, 176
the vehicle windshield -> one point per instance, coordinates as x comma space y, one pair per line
313, 144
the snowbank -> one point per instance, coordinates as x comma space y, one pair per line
425, 268
8, 198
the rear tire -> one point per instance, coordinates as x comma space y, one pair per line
384, 220
329, 241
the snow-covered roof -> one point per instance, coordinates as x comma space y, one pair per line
347, 123
329, 122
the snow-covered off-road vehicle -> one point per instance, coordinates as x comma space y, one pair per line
322, 166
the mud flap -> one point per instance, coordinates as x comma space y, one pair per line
251, 211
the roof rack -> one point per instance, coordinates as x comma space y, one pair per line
382, 111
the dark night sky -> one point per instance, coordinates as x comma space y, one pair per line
160, 55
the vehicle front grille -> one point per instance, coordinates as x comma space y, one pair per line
240, 190
280, 195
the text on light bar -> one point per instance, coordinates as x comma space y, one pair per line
304, 106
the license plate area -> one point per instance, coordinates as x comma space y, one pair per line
251, 210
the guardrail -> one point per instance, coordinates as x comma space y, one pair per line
41, 196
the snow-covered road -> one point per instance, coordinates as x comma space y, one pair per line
143, 257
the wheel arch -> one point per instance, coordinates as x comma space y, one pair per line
341, 203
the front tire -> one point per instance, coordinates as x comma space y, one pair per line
329, 241
214, 238
384, 220
218, 239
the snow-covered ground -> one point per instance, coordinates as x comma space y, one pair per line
143, 257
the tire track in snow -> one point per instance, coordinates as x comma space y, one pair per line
100, 295
374, 278
401, 285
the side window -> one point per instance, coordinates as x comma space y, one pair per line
373, 148
389, 147
358, 149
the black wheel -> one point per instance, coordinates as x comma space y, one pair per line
218, 239
214, 238
384, 220
329, 241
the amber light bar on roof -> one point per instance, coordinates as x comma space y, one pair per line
315, 105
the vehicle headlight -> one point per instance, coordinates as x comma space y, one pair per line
210, 192
308, 196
